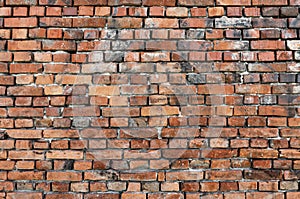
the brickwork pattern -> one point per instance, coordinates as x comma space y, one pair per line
135, 99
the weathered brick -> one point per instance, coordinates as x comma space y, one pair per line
269, 23
273, 110
230, 45
196, 23
194, 45
196, 2
89, 22
177, 12
58, 45
225, 22
293, 45
161, 23
124, 23
55, 22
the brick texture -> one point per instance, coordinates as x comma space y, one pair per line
121, 99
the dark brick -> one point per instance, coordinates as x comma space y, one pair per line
270, 34
263, 174
196, 78
270, 11
269, 23
289, 12
287, 78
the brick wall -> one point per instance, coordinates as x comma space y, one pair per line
149, 99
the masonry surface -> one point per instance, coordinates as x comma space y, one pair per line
135, 99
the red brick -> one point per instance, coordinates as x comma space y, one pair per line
198, 12
159, 3
138, 12
5, 11
24, 45
24, 134
230, 45
161, 23
102, 11
228, 186
292, 195
196, 23
25, 112
64, 155
5, 34
289, 153
218, 153
59, 187
177, 12
276, 111
216, 11
64, 176
25, 195
20, 22
223, 175
156, 11
6, 80
36, 11
37, 33
89, 22
209, 186
269, 2
161, 45
58, 45
25, 91
184, 175
259, 132
20, 11
234, 3
259, 153
80, 2
55, 22
25, 68
268, 45
23, 155
234, 11
158, 111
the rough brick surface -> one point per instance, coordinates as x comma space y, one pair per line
122, 99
